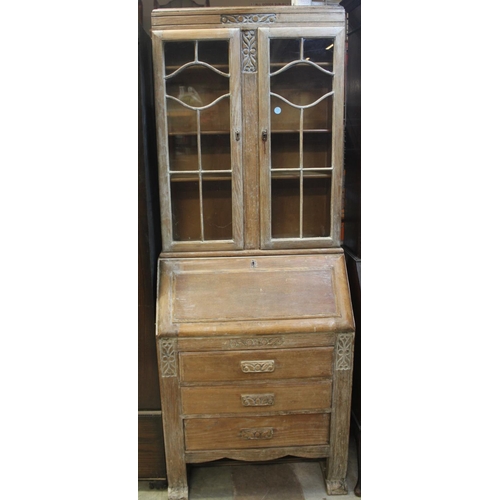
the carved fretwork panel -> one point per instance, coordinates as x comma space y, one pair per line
256, 342
168, 357
261, 433
265, 366
344, 348
248, 19
249, 51
257, 399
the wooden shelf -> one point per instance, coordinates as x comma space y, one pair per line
194, 177
227, 132
296, 175
306, 131
207, 132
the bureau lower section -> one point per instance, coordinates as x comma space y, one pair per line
256, 404
255, 359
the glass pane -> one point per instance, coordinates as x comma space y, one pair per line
216, 117
285, 207
317, 202
215, 152
301, 137
320, 51
177, 54
284, 116
283, 51
301, 85
217, 208
185, 209
181, 120
285, 149
183, 152
319, 117
199, 138
197, 86
317, 150
215, 53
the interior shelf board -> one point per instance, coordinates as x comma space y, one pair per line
305, 131
203, 132
195, 178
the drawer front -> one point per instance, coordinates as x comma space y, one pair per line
252, 399
256, 432
256, 365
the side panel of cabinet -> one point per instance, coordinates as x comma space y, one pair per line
301, 123
199, 123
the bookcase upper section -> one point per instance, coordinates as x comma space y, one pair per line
249, 107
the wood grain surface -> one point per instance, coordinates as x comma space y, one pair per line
255, 330
261, 295
289, 363
288, 430
245, 399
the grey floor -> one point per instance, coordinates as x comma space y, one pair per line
284, 481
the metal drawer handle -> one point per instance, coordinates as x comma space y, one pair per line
257, 399
258, 433
264, 366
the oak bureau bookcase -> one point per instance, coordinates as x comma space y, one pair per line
254, 321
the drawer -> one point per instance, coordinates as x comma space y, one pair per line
256, 432
256, 365
252, 399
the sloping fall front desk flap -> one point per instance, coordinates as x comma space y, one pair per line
255, 295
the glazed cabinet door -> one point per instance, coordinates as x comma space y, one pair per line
301, 128
198, 107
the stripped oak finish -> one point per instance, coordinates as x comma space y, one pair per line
254, 330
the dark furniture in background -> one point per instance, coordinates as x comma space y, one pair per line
151, 451
353, 264
352, 207
352, 152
